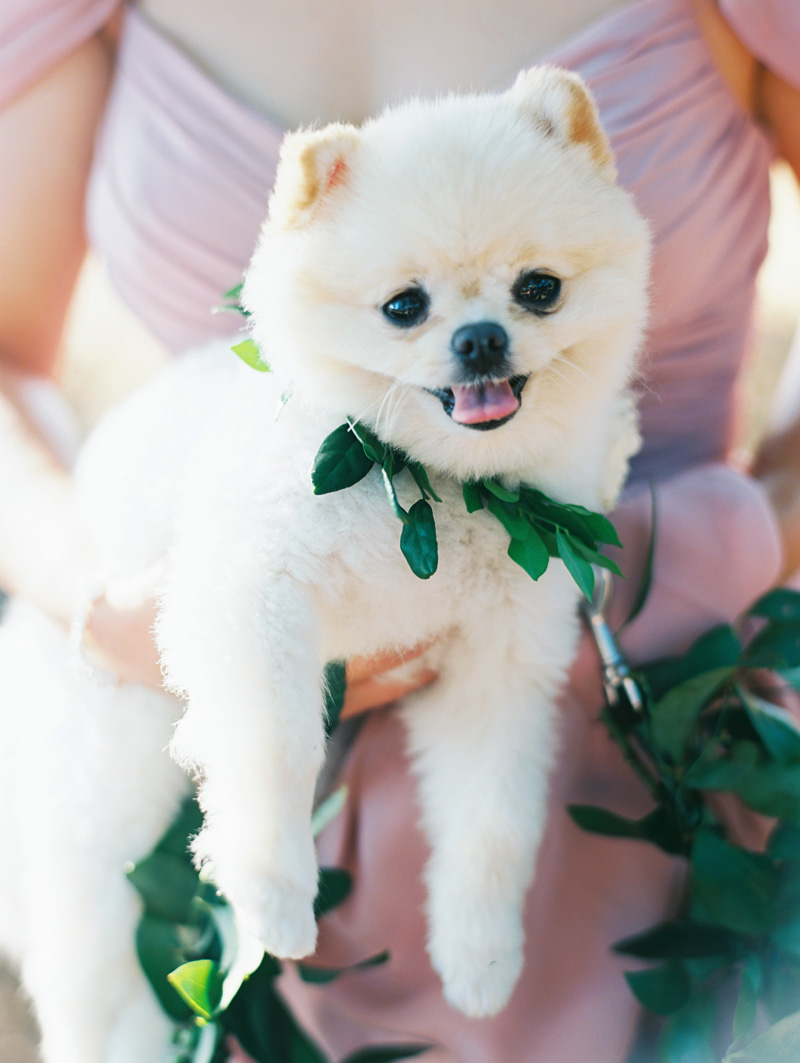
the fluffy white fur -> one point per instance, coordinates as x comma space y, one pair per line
266, 582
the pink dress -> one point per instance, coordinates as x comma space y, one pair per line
178, 190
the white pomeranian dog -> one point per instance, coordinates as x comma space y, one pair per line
464, 278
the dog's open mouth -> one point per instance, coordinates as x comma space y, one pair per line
485, 404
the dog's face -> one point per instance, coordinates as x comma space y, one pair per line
462, 275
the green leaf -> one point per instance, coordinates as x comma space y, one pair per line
374, 448
473, 499
663, 989
779, 604
495, 488
777, 646
680, 939
674, 715
717, 648
199, 983
773, 790
601, 527
658, 826
688, 1035
340, 462
747, 1003
735, 887
530, 554
775, 727
779, 1044
264, 1026
784, 842
578, 567
334, 886
162, 946
594, 557
510, 517
421, 478
183, 828
596, 524
234, 293
723, 773
250, 354
385, 1053
418, 540
399, 512
643, 590
328, 810
790, 676
335, 680
167, 884
781, 991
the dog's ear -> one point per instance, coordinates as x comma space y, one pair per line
313, 166
559, 104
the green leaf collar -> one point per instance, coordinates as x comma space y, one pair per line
539, 528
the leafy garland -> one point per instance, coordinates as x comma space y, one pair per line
708, 724
540, 528
188, 949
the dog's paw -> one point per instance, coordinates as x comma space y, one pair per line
477, 980
281, 917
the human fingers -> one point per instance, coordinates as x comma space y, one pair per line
385, 687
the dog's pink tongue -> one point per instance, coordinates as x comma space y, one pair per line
476, 403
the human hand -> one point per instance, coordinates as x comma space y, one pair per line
376, 681
122, 641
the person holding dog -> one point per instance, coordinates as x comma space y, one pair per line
171, 116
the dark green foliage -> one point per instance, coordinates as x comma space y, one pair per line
539, 528
334, 886
335, 686
664, 989
418, 540
711, 723
232, 304
340, 462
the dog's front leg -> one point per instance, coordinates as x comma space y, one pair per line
483, 742
247, 658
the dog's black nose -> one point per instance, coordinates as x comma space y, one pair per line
481, 347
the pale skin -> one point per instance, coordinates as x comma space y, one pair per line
310, 61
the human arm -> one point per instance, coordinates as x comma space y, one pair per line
46, 138
774, 103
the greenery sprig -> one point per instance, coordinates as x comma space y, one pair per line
189, 950
539, 527
712, 723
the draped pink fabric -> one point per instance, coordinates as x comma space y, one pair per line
179, 187
35, 34
771, 30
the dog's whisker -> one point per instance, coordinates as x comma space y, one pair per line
362, 413
572, 365
392, 403
552, 368
387, 405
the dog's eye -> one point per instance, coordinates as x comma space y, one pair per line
537, 291
406, 308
